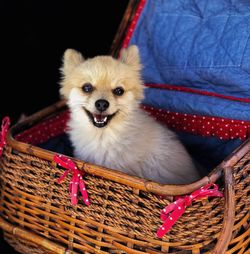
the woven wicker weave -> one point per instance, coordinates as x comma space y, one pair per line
38, 217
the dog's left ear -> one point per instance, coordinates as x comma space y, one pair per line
131, 57
71, 59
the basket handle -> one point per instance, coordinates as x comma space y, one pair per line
229, 213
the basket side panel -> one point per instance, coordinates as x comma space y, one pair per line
119, 218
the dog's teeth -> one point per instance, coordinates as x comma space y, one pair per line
103, 120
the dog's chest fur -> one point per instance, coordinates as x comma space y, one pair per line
142, 148
117, 148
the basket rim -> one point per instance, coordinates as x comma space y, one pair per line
116, 175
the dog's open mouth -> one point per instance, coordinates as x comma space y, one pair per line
99, 120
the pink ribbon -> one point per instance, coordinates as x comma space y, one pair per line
4, 129
76, 180
171, 213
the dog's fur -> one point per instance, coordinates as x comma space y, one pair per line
131, 141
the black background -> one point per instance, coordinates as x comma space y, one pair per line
34, 35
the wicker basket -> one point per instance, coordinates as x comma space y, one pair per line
38, 217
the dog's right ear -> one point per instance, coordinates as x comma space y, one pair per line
131, 57
71, 59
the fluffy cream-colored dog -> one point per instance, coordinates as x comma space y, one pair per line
107, 126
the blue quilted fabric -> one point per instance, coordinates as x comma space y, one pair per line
202, 44
198, 44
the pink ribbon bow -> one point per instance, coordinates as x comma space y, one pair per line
76, 180
173, 211
4, 129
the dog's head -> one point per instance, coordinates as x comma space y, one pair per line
103, 89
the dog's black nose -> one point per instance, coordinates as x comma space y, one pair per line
101, 105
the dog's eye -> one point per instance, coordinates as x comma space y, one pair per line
87, 88
118, 91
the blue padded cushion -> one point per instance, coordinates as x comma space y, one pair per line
202, 44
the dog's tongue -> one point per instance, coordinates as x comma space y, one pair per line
99, 118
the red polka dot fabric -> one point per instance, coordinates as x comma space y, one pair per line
45, 130
205, 126
133, 24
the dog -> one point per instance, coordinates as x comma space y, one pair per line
107, 127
